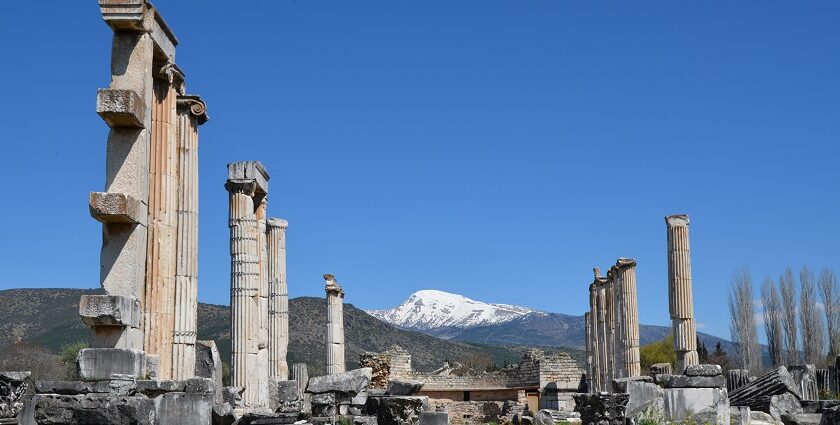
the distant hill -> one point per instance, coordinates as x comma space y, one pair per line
50, 317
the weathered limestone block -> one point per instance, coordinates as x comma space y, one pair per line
208, 364
94, 409
156, 388
739, 415
249, 170
802, 419
109, 310
602, 409
117, 208
15, 389
96, 364
352, 382
642, 392
757, 393
184, 408
704, 405
396, 410
543, 417
703, 370
682, 381
120, 108
401, 387
784, 404
661, 369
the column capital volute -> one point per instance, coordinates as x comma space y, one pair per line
677, 220
193, 105
331, 285
244, 186
170, 72
625, 263
277, 222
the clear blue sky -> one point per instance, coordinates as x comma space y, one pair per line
495, 149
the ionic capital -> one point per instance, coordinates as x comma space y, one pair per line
192, 104
625, 263
277, 222
331, 285
173, 74
677, 220
246, 187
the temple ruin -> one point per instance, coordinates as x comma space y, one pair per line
612, 327
680, 296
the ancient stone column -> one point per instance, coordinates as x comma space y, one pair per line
335, 325
262, 343
192, 112
590, 382
619, 339
141, 38
278, 300
603, 331
247, 185
625, 272
680, 292
594, 342
611, 318
159, 295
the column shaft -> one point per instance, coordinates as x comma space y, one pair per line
626, 273
191, 114
680, 291
335, 326
278, 300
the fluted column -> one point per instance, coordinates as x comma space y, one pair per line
611, 314
262, 343
625, 272
590, 382
603, 331
619, 341
595, 342
192, 112
335, 325
247, 185
680, 292
278, 300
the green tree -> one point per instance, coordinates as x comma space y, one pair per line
67, 355
658, 352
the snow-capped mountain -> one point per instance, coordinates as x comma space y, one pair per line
429, 309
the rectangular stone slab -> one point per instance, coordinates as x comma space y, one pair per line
96, 364
109, 310
108, 207
120, 108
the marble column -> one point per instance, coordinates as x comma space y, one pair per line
625, 272
335, 325
594, 342
611, 314
247, 185
159, 295
192, 112
680, 292
603, 330
619, 339
262, 342
590, 366
278, 300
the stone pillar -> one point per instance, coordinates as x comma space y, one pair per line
192, 112
159, 295
603, 331
611, 315
595, 343
625, 273
140, 39
590, 366
619, 339
247, 184
335, 325
262, 343
278, 300
679, 292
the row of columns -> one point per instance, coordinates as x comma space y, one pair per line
259, 293
149, 208
612, 326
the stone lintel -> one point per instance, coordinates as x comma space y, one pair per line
677, 220
140, 16
247, 187
277, 222
625, 262
124, 15
97, 364
109, 310
250, 170
120, 108
109, 207
193, 104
